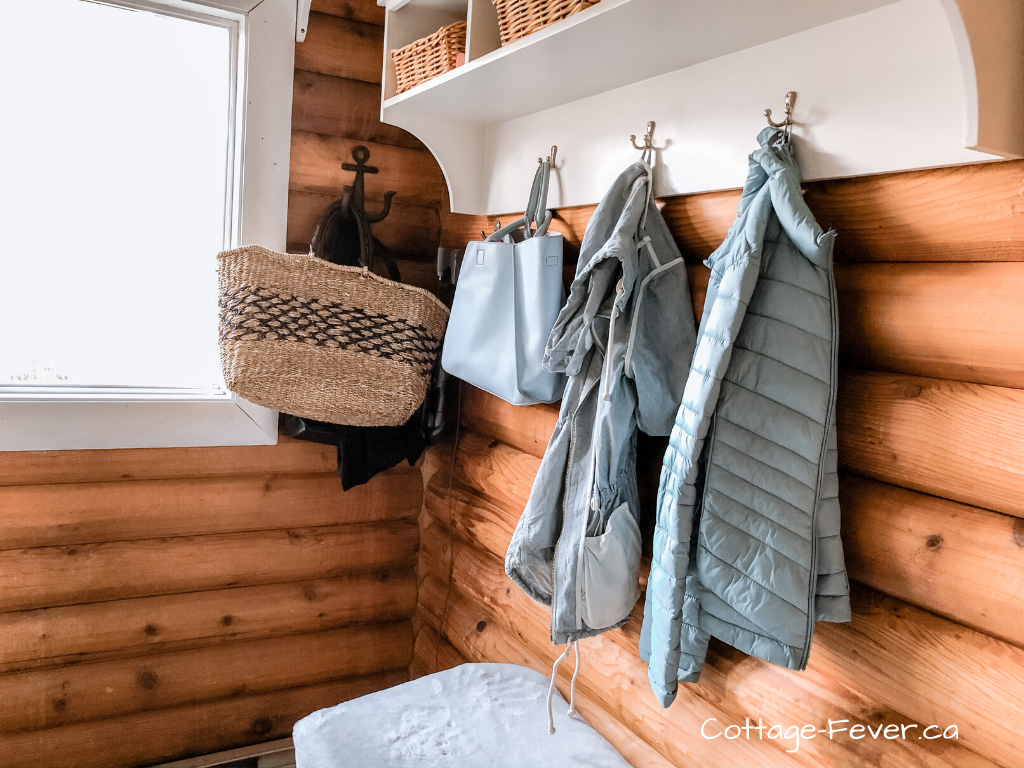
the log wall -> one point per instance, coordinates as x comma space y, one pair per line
167, 603
336, 107
930, 271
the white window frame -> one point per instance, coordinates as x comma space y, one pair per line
54, 419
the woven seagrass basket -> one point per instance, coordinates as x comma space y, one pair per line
325, 341
519, 18
429, 56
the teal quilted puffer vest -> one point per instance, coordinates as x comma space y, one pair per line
747, 544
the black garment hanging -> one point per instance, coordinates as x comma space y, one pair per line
367, 451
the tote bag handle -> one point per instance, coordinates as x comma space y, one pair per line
537, 213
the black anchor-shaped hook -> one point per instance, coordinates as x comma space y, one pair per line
356, 193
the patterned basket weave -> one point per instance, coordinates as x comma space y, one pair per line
325, 341
429, 56
519, 18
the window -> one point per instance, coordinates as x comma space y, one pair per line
148, 139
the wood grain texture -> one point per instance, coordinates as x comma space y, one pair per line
932, 669
960, 562
48, 698
187, 731
962, 213
699, 223
337, 106
526, 428
431, 653
146, 624
358, 10
316, 166
909, 642
959, 214
948, 321
735, 686
951, 439
409, 231
46, 577
342, 48
287, 457
84, 513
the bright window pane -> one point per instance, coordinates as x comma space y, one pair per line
114, 147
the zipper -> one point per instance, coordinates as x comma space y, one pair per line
558, 542
812, 591
606, 374
565, 504
592, 506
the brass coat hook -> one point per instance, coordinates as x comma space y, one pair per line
551, 157
787, 124
647, 148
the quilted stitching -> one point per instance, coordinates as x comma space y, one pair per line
763, 383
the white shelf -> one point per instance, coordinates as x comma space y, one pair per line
609, 45
897, 75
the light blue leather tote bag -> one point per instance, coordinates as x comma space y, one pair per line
506, 302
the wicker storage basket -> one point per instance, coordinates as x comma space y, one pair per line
429, 56
325, 341
519, 18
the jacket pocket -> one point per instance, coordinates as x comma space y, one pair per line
611, 566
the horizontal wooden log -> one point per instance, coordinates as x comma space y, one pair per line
48, 698
150, 737
526, 428
932, 669
142, 625
358, 10
738, 688
46, 577
287, 457
342, 48
409, 231
959, 441
946, 321
963, 213
699, 223
337, 106
316, 166
911, 643
53, 515
960, 562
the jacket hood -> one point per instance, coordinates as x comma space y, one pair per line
619, 215
773, 179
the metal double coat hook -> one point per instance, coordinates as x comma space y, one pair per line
647, 148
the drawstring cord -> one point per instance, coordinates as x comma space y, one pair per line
572, 685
